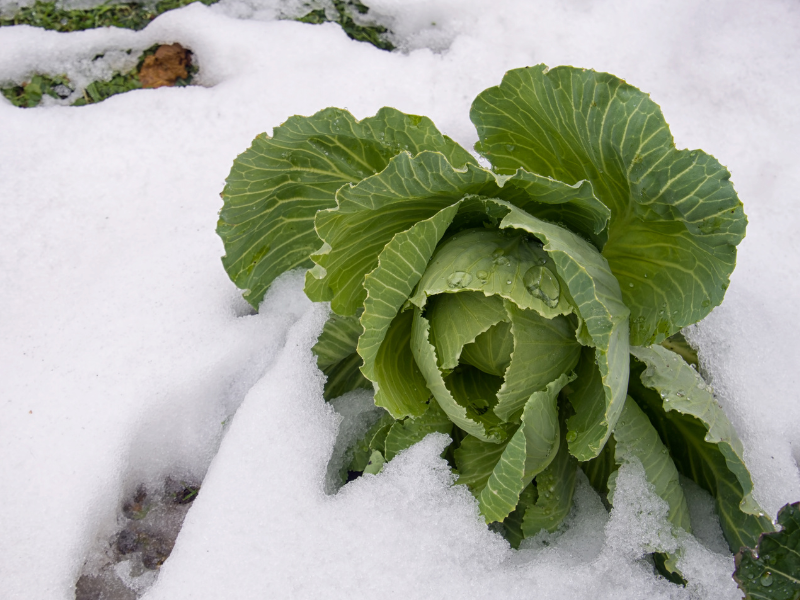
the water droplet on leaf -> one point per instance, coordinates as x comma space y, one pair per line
483, 276
459, 279
542, 284
766, 579
571, 436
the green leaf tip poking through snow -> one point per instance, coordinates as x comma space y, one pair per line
771, 571
675, 217
700, 439
278, 185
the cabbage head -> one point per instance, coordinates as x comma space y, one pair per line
528, 304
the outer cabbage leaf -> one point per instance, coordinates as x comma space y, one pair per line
345, 376
512, 525
476, 459
637, 440
678, 344
375, 464
599, 469
772, 572
372, 440
701, 440
675, 217
399, 385
408, 432
400, 265
368, 215
573, 206
337, 358
276, 187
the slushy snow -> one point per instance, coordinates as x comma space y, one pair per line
129, 357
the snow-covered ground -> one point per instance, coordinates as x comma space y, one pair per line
126, 351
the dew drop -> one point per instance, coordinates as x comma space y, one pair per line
542, 284
766, 579
630, 285
483, 276
498, 252
510, 147
459, 279
502, 261
645, 275
680, 393
571, 436
508, 282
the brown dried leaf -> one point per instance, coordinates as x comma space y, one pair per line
169, 63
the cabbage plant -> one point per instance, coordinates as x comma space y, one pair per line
527, 303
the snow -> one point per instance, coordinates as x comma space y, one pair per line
128, 356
